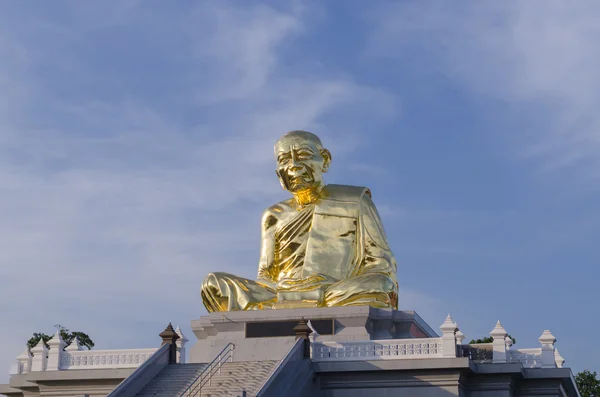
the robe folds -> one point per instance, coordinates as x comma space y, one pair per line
333, 252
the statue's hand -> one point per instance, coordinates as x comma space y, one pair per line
310, 283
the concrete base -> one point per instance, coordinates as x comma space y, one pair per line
216, 330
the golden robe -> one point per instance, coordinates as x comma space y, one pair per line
333, 252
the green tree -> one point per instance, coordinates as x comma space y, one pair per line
34, 340
588, 384
66, 335
489, 339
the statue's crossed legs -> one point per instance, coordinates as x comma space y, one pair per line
227, 292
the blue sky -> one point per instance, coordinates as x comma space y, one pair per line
136, 155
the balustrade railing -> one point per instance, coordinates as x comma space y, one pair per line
96, 359
529, 358
477, 352
195, 389
391, 349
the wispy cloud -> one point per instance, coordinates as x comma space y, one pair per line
539, 57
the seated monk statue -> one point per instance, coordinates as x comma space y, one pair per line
325, 246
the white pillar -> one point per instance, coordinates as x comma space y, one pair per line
499, 344
40, 356
449, 329
460, 337
23, 363
180, 343
56, 345
547, 340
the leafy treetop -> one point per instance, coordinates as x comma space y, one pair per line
489, 339
588, 384
66, 335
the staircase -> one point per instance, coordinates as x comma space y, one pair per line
236, 377
172, 380
233, 379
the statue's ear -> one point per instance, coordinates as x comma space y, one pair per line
326, 159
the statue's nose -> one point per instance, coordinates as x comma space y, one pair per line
295, 165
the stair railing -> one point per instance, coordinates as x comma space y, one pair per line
143, 374
213, 368
294, 354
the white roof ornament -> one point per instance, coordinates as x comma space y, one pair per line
449, 326
181, 335
547, 339
498, 332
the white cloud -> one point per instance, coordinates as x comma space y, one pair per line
541, 57
114, 207
249, 37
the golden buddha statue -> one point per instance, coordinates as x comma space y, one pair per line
323, 247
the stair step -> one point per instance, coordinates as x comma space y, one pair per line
233, 378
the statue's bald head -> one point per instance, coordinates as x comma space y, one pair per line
298, 135
301, 159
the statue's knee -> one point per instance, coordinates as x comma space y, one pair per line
213, 278
210, 282
384, 283
389, 285
207, 280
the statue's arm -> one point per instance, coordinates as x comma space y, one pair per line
377, 256
267, 272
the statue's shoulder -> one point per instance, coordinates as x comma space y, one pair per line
346, 193
281, 207
276, 212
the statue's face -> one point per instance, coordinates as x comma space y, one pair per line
300, 163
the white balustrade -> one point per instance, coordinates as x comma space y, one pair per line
40, 358
541, 357
97, 359
528, 358
546, 356
57, 357
391, 349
